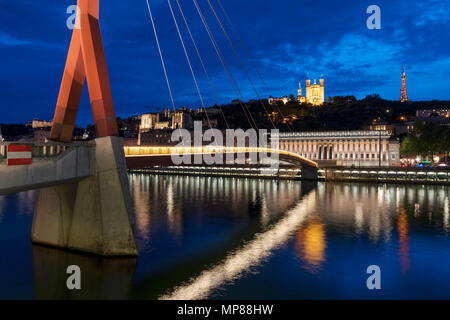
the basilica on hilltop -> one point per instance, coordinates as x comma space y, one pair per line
315, 93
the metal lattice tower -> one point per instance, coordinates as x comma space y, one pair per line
404, 96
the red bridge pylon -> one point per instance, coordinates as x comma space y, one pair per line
86, 59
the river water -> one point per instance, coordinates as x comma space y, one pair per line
225, 238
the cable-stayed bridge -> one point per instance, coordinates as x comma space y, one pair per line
84, 201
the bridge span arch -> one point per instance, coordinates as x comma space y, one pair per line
140, 155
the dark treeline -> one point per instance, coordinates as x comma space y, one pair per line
427, 140
12, 131
339, 113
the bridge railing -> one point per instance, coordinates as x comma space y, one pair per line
39, 150
388, 174
2, 151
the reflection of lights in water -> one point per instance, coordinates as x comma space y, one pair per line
416, 210
359, 218
431, 196
403, 240
446, 214
250, 255
265, 215
382, 194
375, 223
311, 245
398, 196
25, 202
174, 215
170, 203
141, 207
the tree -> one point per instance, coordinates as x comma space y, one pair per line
410, 146
427, 140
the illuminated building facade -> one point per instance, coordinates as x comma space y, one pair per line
315, 93
148, 122
273, 100
343, 148
182, 120
39, 124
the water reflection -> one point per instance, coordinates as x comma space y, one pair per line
249, 256
202, 237
161, 202
446, 216
403, 240
227, 230
311, 245
174, 214
101, 278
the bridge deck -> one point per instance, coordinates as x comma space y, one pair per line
75, 163
287, 156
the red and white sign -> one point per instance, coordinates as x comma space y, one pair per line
19, 155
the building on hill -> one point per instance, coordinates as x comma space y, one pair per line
39, 124
272, 100
156, 138
442, 113
315, 93
148, 121
41, 135
182, 119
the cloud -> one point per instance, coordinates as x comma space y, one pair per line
9, 40
286, 39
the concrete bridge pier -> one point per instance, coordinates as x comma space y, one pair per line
94, 215
309, 173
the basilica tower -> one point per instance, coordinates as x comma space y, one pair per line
322, 88
308, 87
300, 97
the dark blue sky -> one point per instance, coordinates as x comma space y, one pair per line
286, 38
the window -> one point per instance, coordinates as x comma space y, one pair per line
393, 156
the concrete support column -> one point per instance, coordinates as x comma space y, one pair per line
359, 150
348, 150
308, 148
315, 151
309, 173
93, 215
345, 149
366, 150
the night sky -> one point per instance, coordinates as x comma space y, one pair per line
286, 39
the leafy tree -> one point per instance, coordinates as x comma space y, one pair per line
427, 140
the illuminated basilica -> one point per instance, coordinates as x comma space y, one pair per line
315, 93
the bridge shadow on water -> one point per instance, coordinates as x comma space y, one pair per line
101, 278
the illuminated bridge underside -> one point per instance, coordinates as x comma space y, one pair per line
166, 152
